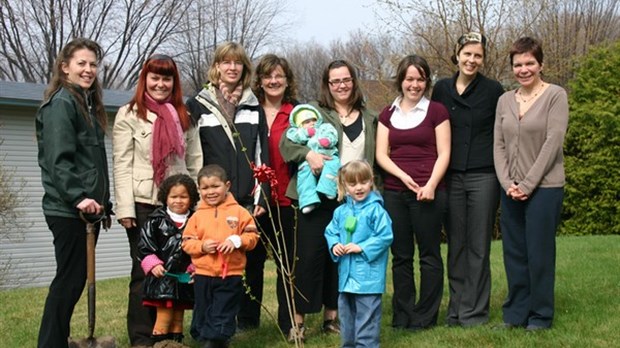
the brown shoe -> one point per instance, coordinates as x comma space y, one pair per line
331, 327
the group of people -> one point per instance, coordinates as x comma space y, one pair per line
200, 223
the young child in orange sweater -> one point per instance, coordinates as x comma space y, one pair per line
217, 237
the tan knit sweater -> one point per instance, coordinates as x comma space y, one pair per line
530, 151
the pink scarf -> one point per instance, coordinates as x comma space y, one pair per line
231, 96
167, 136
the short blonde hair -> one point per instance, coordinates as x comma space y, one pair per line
353, 172
233, 51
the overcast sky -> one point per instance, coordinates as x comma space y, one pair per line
327, 20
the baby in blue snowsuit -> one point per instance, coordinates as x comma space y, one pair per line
308, 128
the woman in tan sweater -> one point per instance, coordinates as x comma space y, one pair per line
530, 125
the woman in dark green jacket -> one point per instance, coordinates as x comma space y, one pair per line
70, 126
341, 103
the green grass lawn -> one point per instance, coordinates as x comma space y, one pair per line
587, 309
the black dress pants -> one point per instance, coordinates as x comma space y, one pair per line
140, 318
278, 241
415, 222
316, 274
473, 198
68, 284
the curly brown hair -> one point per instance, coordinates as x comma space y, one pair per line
179, 179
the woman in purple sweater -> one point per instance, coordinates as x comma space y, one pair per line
413, 149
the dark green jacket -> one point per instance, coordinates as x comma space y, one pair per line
72, 156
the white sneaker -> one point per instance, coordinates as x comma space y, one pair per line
308, 209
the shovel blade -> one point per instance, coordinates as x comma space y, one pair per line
92, 342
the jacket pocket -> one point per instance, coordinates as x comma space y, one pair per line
89, 180
366, 271
143, 183
142, 138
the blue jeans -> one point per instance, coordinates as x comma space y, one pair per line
360, 319
528, 237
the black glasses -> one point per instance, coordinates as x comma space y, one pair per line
337, 82
277, 77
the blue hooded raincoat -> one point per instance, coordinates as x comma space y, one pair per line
362, 273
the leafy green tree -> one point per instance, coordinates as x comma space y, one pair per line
592, 201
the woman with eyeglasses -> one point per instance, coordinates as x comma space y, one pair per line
234, 135
153, 138
341, 104
413, 149
472, 186
275, 87
530, 126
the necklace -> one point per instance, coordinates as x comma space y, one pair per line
345, 118
532, 97
271, 111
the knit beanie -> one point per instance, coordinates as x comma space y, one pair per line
304, 112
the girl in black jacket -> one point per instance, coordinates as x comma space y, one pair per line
166, 266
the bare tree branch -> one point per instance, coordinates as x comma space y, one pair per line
210, 22
33, 32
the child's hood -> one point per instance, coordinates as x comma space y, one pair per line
229, 201
300, 110
373, 198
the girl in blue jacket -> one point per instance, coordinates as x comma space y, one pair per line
358, 238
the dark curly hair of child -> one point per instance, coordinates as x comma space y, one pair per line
179, 179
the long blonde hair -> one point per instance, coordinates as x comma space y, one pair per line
59, 79
354, 172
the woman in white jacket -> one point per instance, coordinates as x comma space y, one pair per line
153, 138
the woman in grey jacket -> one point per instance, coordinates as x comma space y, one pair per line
70, 127
153, 138
530, 127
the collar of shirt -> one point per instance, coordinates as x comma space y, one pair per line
412, 118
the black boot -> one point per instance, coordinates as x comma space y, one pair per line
159, 338
216, 344
221, 343
177, 337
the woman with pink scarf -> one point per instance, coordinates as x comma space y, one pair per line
153, 138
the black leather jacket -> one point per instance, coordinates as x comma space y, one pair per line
160, 236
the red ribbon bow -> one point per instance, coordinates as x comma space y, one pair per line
264, 173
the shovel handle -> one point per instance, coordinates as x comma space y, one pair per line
91, 218
90, 221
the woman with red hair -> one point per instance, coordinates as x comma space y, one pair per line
153, 138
